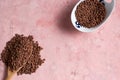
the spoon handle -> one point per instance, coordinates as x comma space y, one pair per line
10, 74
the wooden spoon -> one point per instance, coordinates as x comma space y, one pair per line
10, 73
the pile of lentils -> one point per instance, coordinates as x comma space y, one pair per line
90, 13
22, 51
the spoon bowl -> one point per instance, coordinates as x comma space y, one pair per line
109, 8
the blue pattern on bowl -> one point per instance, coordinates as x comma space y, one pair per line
102, 1
77, 24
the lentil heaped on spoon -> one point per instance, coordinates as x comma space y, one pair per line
90, 13
22, 51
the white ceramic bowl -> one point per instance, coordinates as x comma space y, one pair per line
109, 8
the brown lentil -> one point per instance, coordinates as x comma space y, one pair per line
90, 13
19, 50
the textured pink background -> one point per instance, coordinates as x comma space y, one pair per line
69, 54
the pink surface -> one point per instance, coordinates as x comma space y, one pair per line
69, 54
